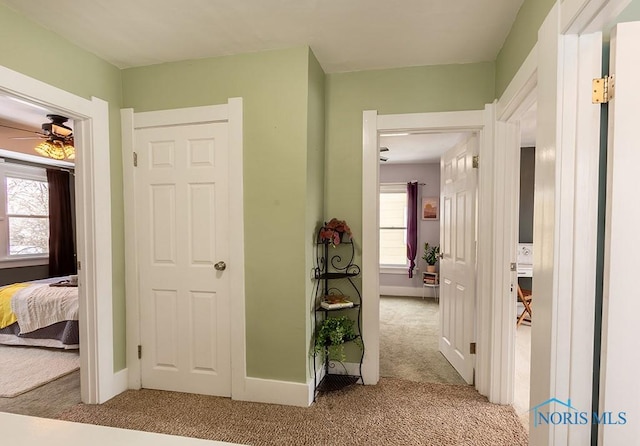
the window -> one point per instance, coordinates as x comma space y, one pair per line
25, 227
28, 215
393, 225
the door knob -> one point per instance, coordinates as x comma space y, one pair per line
220, 266
441, 255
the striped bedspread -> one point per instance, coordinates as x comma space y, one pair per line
36, 306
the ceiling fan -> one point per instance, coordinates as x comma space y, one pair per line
384, 149
55, 130
58, 138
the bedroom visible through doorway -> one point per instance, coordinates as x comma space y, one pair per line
410, 323
38, 259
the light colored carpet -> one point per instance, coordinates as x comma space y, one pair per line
394, 412
25, 368
409, 330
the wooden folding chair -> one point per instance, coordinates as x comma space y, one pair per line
525, 297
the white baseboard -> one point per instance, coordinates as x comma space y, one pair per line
400, 291
277, 392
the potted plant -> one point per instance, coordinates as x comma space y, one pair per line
331, 335
333, 231
431, 255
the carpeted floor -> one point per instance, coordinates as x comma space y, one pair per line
409, 328
47, 401
395, 412
25, 368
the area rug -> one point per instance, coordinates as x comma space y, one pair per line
25, 368
394, 412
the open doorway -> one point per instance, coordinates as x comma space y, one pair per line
525, 303
90, 117
410, 309
39, 314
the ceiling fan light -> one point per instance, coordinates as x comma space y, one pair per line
69, 151
57, 151
44, 148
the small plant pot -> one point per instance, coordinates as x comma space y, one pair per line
431, 268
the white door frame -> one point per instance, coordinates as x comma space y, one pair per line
99, 382
562, 65
373, 124
231, 113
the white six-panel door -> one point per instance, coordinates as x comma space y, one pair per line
458, 263
182, 229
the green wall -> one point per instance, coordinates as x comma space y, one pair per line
29, 49
274, 86
521, 39
403, 90
315, 181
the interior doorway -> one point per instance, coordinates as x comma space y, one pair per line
524, 256
410, 306
373, 126
99, 382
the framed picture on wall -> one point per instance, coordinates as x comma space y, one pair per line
430, 209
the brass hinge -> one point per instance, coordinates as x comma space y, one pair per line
476, 161
603, 89
472, 348
139, 352
79, 265
135, 159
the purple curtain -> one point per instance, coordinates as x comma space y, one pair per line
412, 224
61, 247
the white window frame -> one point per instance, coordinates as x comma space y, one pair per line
393, 268
25, 172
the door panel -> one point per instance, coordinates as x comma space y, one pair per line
182, 206
619, 391
457, 266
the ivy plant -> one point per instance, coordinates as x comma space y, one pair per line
331, 335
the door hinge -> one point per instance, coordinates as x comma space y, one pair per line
513, 267
135, 159
472, 348
79, 265
476, 161
603, 89
139, 352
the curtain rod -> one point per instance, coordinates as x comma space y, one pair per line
400, 184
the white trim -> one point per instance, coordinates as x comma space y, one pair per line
23, 261
589, 16
277, 392
518, 94
8, 154
484, 255
130, 250
441, 121
504, 281
372, 124
93, 184
398, 270
400, 291
236, 246
620, 359
370, 247
182, 116
233, 114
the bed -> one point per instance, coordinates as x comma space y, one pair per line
42, 313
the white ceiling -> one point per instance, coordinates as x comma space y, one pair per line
344, 35
418, 148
